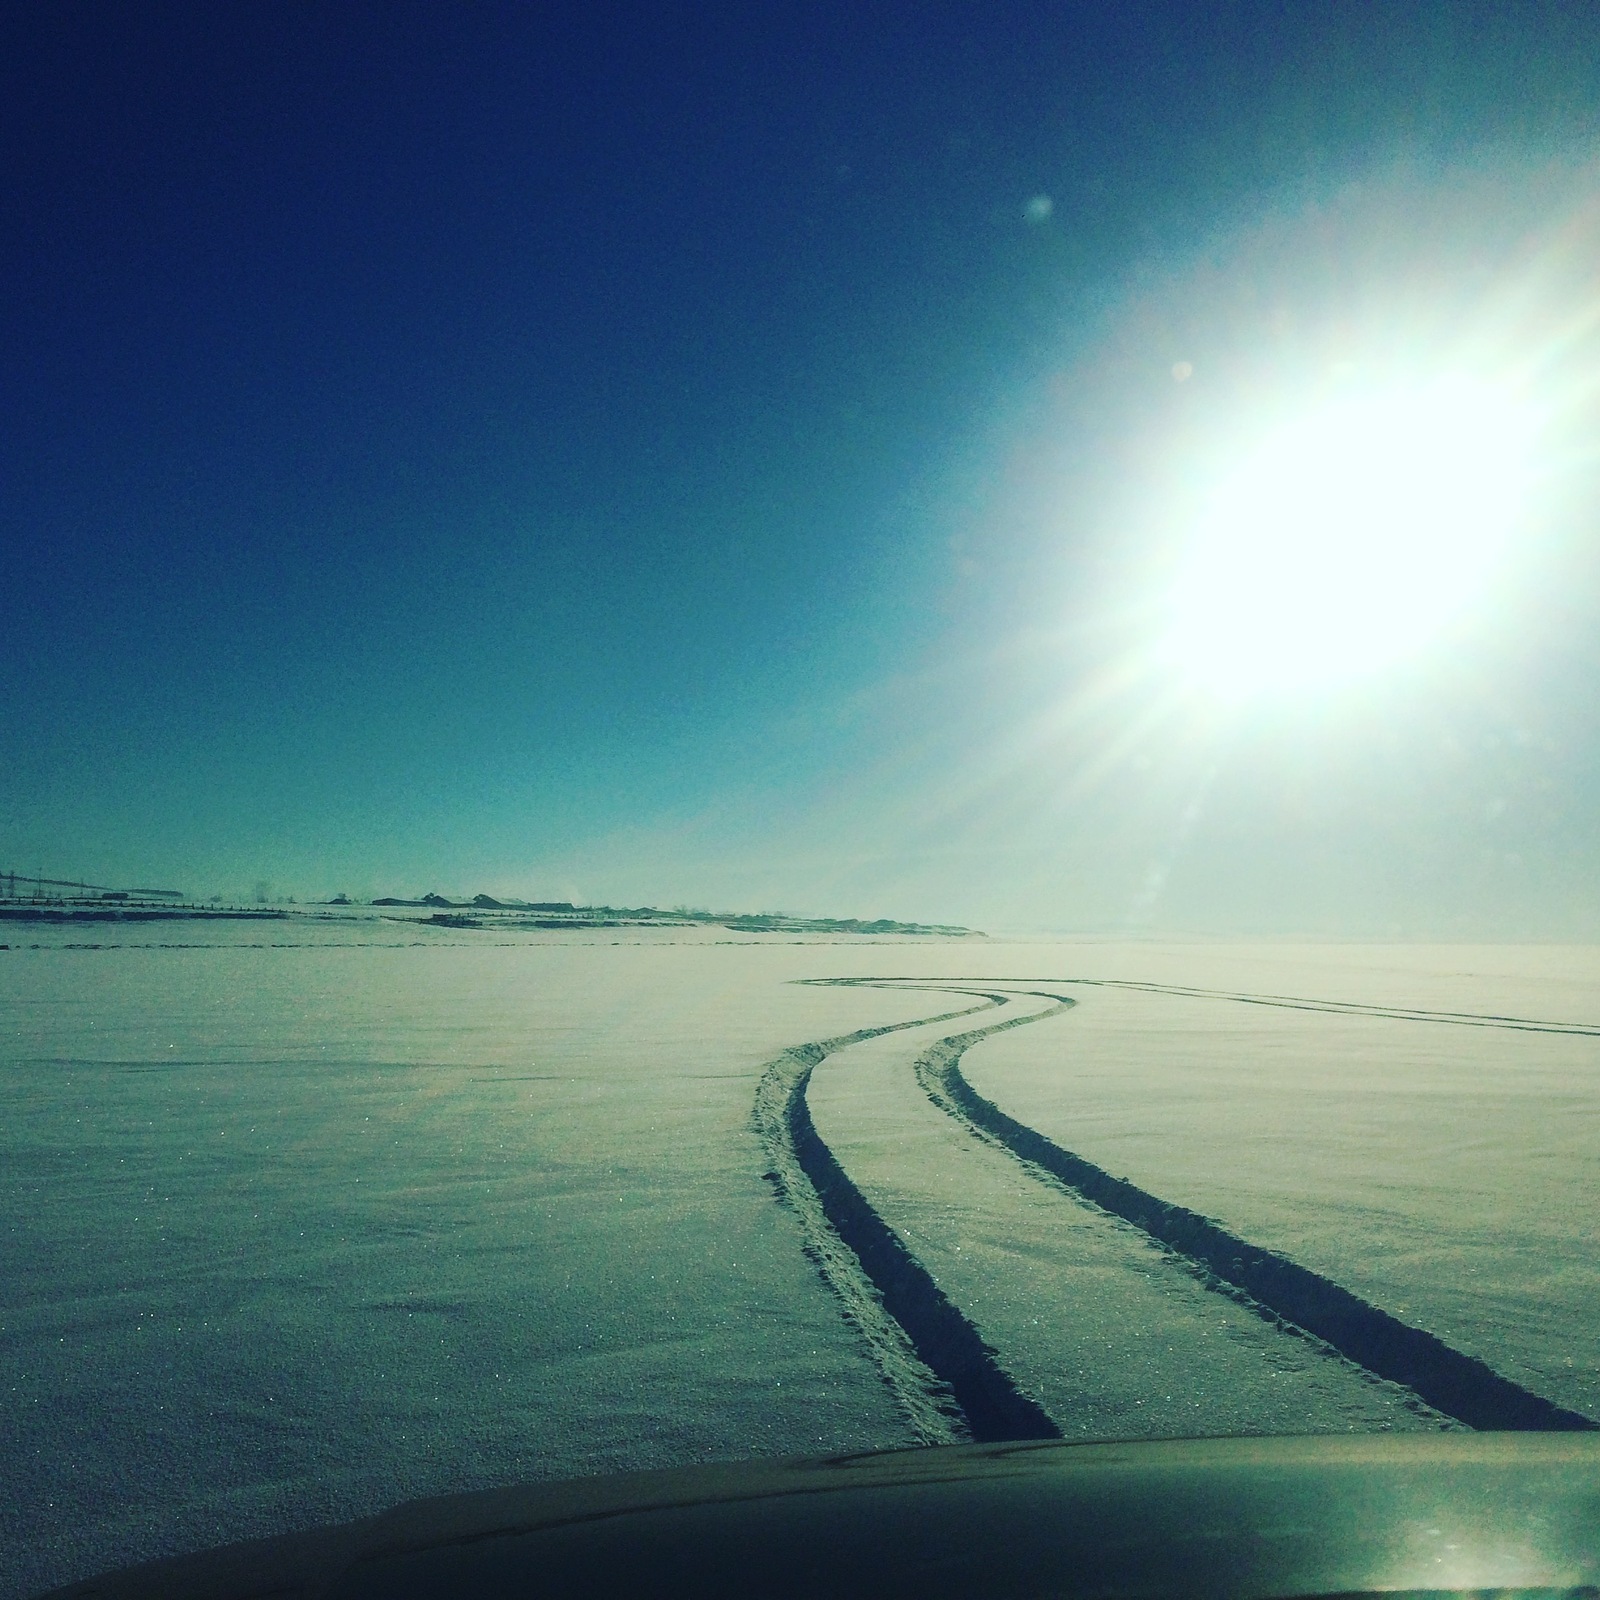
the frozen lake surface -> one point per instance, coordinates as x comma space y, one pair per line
303, 1222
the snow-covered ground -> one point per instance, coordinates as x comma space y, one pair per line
1449, 1173
299, 1223
1106, 1331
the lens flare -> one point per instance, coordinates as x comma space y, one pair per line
1348, 537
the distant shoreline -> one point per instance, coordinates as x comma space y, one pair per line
474, 915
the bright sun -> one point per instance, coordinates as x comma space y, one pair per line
1348, 537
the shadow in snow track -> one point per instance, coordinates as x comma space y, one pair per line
1280, 1002
1347, 1008
946, 1379
1456, 1384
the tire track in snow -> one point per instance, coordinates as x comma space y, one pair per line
1282, 1002
1459, 1385
1346, 1008
945, 1378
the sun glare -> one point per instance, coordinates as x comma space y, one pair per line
1348, 537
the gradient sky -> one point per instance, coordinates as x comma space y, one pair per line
717, 455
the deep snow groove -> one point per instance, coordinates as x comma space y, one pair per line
945, 1378
1349, 1008
1459, 1385
1281, 1002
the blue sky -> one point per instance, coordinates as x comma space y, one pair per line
675, 453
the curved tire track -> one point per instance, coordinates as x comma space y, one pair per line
947, 1379
1459, 1385
1281, 1002
944, 1376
